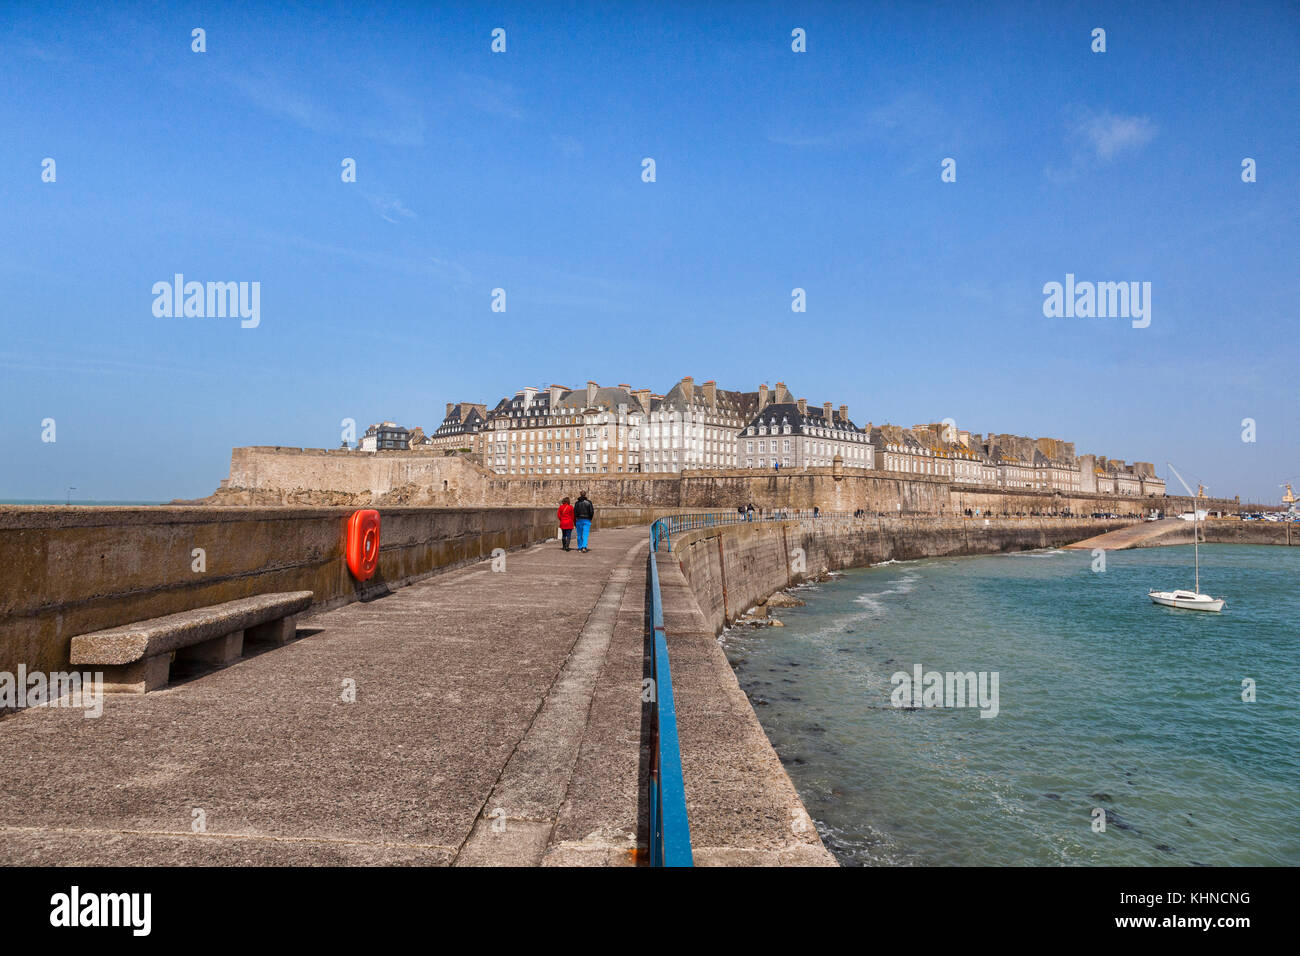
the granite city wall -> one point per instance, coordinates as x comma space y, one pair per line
298, 476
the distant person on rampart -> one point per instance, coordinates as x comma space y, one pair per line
583, 512
565, 514
816, 512
749, 511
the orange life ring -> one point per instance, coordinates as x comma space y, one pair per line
362, 551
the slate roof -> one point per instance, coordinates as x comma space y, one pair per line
801, 423
465, 419
609, 397
739, 405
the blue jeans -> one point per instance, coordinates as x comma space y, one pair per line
584, 529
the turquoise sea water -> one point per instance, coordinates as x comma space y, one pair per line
1106, 700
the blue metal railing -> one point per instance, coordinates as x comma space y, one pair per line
670, 829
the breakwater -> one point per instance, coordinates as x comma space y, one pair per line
731, 568
1173, 531
76, 570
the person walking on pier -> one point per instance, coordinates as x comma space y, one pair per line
565, 514
583, 512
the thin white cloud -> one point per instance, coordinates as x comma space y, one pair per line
460, 275
284, 103
489, 96
388, 208
377, 112
569, 146
909, 120
1098, 138
1108, 135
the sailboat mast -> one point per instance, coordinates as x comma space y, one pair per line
1196, 543
1196, 533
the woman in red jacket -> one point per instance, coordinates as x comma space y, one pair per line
565, 514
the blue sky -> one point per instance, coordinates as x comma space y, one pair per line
522, 170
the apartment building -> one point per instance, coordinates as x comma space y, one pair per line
695, 426
794, 435
385, 436
461, 429
563, 431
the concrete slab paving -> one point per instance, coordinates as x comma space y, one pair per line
474, 718
527, 799
605, 818
448, 677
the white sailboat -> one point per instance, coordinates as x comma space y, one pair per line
1189, 600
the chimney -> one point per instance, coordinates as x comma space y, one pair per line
555, 392
530, 392
803, 406
450, 406
844, 414
591, 393
826, 410
762, 397
688, 388
642, 395
626, 388
711, 394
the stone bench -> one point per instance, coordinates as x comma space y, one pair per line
137, 658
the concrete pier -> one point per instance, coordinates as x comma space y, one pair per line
489, 714
1174, 531
479, 717
497, 719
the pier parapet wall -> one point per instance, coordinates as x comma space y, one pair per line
76, 570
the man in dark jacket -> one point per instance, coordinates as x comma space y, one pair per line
583, 512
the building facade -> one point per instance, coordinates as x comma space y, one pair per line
695, 426
794, 435
620, 430
385, 436
563, 431
461, 429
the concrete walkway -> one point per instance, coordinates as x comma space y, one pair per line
497, 720
1143, 534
